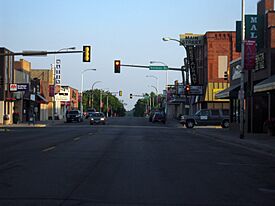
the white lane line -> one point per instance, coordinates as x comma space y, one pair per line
267, 190
48, 149
76, 138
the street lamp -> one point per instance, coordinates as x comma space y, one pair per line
157, 82
54, 79
155, 89
81, 102
93, 92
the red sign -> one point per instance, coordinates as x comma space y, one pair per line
13, 87
51, 90
249, 54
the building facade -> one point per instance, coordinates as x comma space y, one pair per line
66, 100
213, 62
41, 81
259, 82
6, 78
22, 70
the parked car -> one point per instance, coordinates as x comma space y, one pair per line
206, 117
74, 115
97, 118
159, 117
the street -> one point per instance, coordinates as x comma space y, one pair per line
129, 161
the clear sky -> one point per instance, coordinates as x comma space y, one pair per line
116, 29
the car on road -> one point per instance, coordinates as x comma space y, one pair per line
74, 115
159, 117
205, 117
97, 118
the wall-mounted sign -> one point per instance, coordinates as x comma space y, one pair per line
190, 39
251, 30
194, 90
249, 54
23, 87
19, 87
192, 65
13, 87
58, 72
260, 61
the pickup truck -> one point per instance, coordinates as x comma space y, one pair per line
204, 117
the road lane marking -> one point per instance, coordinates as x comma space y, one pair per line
76, 138
48, 149
267, 190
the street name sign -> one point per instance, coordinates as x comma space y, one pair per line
158, 67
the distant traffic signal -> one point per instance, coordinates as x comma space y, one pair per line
187, 89
120, 93
225, 77
131, 96
86, 53
117, 66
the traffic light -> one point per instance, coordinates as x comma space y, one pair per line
187, 89
225, 77
120, 93
131, 96
86, 53
117, 66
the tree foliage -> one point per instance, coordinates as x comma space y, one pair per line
91, 100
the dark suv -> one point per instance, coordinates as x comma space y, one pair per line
74, 115
207, 117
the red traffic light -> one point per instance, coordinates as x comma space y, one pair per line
117, 66
187, 89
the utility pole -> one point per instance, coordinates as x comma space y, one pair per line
241, 94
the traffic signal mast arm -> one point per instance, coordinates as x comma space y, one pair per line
37, 53
147, 67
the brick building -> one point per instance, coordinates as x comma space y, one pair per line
22, 70
213, 60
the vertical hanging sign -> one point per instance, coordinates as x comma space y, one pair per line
249, 54
58, 72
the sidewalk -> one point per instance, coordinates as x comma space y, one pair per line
259, 142
38, 124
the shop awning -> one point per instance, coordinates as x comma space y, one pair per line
230, 92
42, 99
266, 85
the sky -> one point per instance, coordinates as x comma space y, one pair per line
128, 30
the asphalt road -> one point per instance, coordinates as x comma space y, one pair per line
129, 161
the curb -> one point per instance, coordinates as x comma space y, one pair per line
8, 127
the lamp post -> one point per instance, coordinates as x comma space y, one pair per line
157, 82
166, 87
54, 79
242, 75
81, 102
93, 92
153, 96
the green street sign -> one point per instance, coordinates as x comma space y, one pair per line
158, 67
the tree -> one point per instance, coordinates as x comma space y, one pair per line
115, 107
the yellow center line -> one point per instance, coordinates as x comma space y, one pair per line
48, 149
